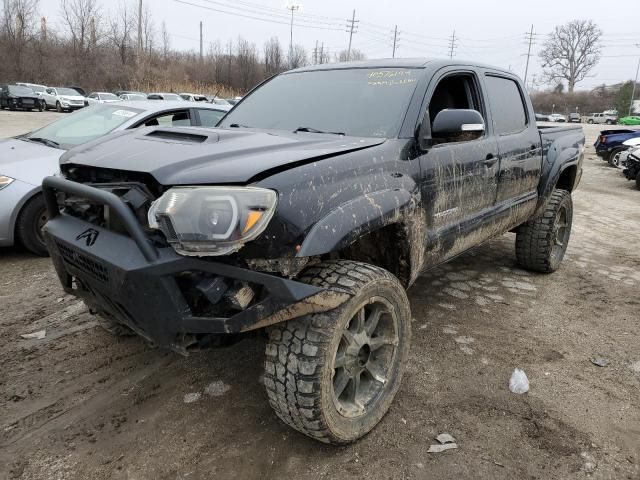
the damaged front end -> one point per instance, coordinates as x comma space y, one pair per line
104, 253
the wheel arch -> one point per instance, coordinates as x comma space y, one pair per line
17, 211
373, 228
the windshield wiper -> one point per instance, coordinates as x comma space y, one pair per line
315, 130
238, 125
44, 141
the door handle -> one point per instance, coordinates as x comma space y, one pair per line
490, 160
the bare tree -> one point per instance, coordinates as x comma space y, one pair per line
354, 56
298, 56
121, 27
571, 51
165, 37
80, 17
273, 57
247, 60
18, 29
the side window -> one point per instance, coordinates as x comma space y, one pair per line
173, 119
210, 118
456, 92
507, 105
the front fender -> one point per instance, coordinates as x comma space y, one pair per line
351, 220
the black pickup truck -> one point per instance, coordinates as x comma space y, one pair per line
307, 213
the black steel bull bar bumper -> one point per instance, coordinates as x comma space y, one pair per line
134, 281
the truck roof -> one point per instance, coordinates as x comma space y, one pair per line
397, 63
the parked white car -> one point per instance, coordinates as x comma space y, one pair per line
619, 159
556, 117
63, 99
193, 97
102, 97
165, 96
133, 97
602, 118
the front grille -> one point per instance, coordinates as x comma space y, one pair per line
83, 262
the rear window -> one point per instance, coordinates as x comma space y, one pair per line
507, 106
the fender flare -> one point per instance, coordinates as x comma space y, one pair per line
351, 220
568, 157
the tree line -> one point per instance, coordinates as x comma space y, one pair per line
127, 49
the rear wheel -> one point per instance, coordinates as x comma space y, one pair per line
31, 220
590, 121
333, 375
542, 242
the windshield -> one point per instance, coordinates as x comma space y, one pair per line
108, 96
358, 102
85, 125
67, 91
18, 90
171, 96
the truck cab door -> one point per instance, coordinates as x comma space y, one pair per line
459, 175
519, 143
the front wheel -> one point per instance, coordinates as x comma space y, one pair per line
332, 376
31, 220
58, 107
590, 122
542, 242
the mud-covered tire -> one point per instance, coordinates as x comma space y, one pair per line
542, 242
302, 355
29, 225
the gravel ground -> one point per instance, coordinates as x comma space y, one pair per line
81, 404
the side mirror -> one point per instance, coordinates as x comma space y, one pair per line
449, 123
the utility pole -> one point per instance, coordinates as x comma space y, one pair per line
395, 41
322, 53
294, 7
351, 29
452, 44
529, 36
140, 27
633, 91
43, 29
315, 54
201, 40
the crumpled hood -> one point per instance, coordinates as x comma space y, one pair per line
27, 161
192, 156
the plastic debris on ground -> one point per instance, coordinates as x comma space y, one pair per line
39, 335
519, 383
447, 442
600, 361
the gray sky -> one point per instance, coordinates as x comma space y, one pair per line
492, 31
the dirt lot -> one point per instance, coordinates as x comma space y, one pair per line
80, 404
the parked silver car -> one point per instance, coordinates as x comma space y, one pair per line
63, 99
27, 159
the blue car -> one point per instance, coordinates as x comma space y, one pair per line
609, 142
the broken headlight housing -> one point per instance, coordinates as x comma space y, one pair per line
207, 221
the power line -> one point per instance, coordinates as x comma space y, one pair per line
184, 2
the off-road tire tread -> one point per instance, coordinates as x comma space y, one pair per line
533, 239
296, 349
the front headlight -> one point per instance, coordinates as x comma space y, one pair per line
5, 181
202, 221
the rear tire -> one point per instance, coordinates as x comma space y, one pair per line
542, 242
332, 376
31, 219
590, 121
